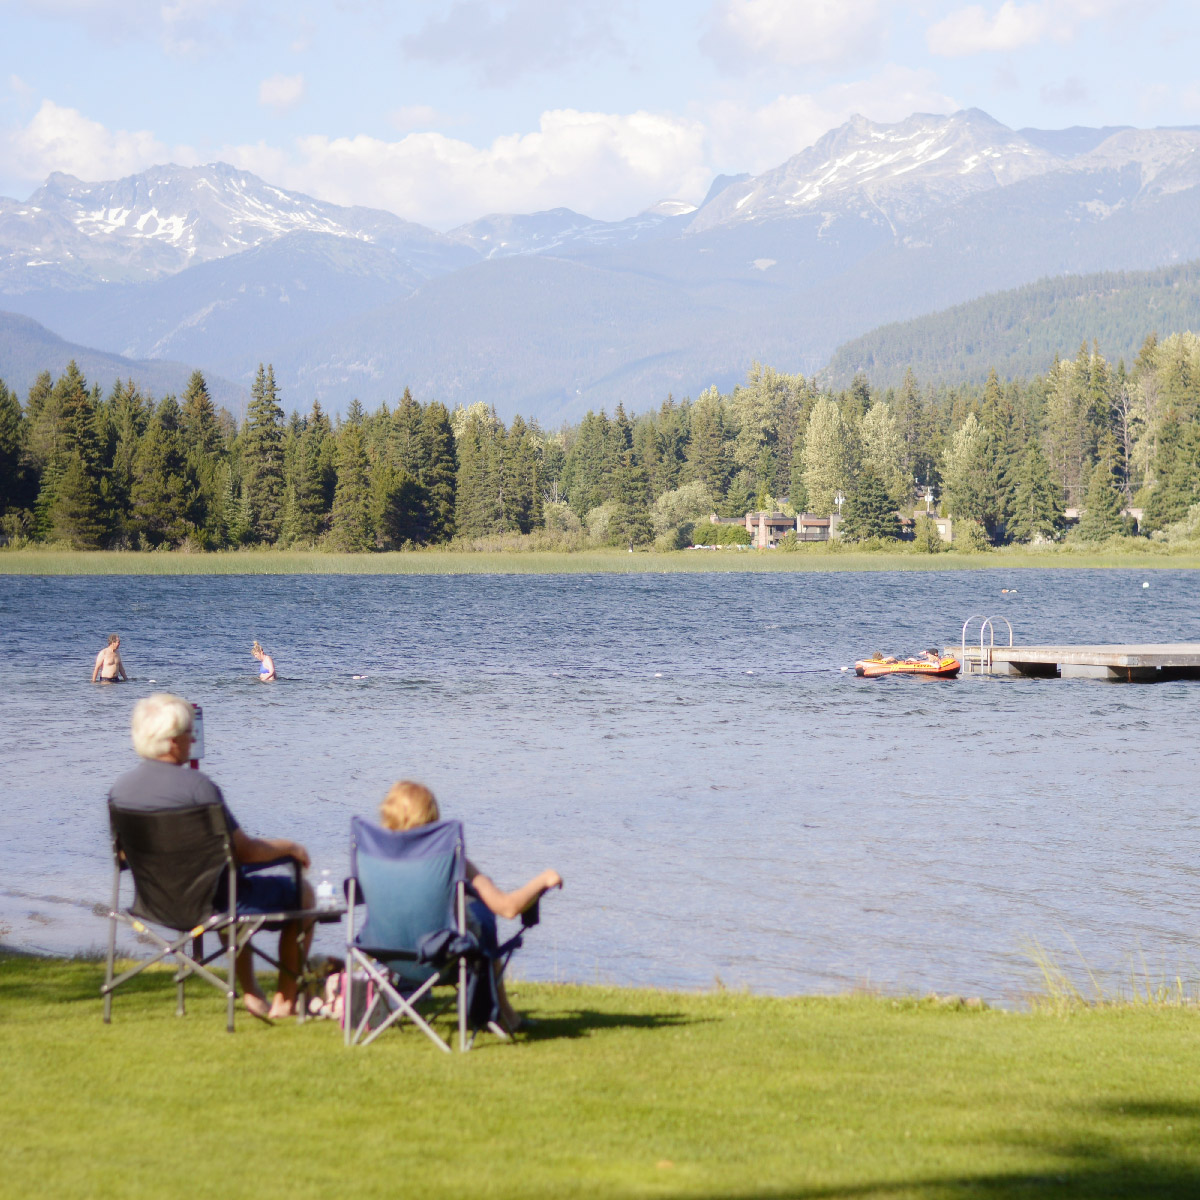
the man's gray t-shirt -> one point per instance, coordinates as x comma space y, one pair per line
153, 786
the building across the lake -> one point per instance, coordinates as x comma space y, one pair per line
768, 529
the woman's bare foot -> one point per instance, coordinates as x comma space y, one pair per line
256, 1005
281, 1007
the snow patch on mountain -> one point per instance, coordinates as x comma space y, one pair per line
904, 170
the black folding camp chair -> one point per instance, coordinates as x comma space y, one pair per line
177, 858
416, 934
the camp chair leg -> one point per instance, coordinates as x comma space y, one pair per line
348, 988
462, 1006
405, 1005
112, 946
461, 898
231, 952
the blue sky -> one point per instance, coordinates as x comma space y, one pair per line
443, 110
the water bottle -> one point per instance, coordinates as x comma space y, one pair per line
326, 899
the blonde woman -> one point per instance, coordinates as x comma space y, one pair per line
266, 664
410, 805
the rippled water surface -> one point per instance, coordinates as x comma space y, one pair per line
722, 799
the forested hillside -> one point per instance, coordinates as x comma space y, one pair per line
1018, 333
86, 469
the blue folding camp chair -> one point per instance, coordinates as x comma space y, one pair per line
416, 935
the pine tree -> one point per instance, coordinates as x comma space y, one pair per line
200, 432
868, 512
914, 429
631, 520
739, 495
262, 457
130, 416
1068, 432
1102, 507
1037, 502
671, 434
77, 513
1177, 467
522, 481
479, 508
439, 471
399, 508
707, 453
857, 399
583, 469
161, 494
408, 451
44, 433
305, 507
11, 445
350, 529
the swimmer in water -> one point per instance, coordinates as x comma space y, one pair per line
266, 664
109, 668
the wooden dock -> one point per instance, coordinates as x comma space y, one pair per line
1128, 664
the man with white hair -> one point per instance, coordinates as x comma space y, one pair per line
163, 726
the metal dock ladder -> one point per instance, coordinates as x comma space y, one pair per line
986, 627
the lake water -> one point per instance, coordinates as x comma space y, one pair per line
722, 799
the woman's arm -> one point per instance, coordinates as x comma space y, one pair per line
511, 904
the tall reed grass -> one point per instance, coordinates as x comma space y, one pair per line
508, 557
1064, 991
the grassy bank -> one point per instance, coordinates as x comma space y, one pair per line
594, 562
617, 1093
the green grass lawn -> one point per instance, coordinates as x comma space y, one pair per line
616, 1093
591, 562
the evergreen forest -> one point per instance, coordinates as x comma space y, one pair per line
1007, 459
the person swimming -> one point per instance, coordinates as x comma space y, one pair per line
109, 667
266, 664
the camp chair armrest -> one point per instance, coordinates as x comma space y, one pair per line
248, 868
297, 869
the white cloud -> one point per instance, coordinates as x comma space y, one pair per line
607, 165
971, 30
814, 33
281, 92
62, 139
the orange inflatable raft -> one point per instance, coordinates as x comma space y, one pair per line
945, 668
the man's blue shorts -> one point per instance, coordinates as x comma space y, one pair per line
262, 892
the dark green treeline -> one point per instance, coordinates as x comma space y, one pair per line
1007, 459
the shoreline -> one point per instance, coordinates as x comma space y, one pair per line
549, 562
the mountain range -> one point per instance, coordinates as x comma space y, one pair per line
551, 313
